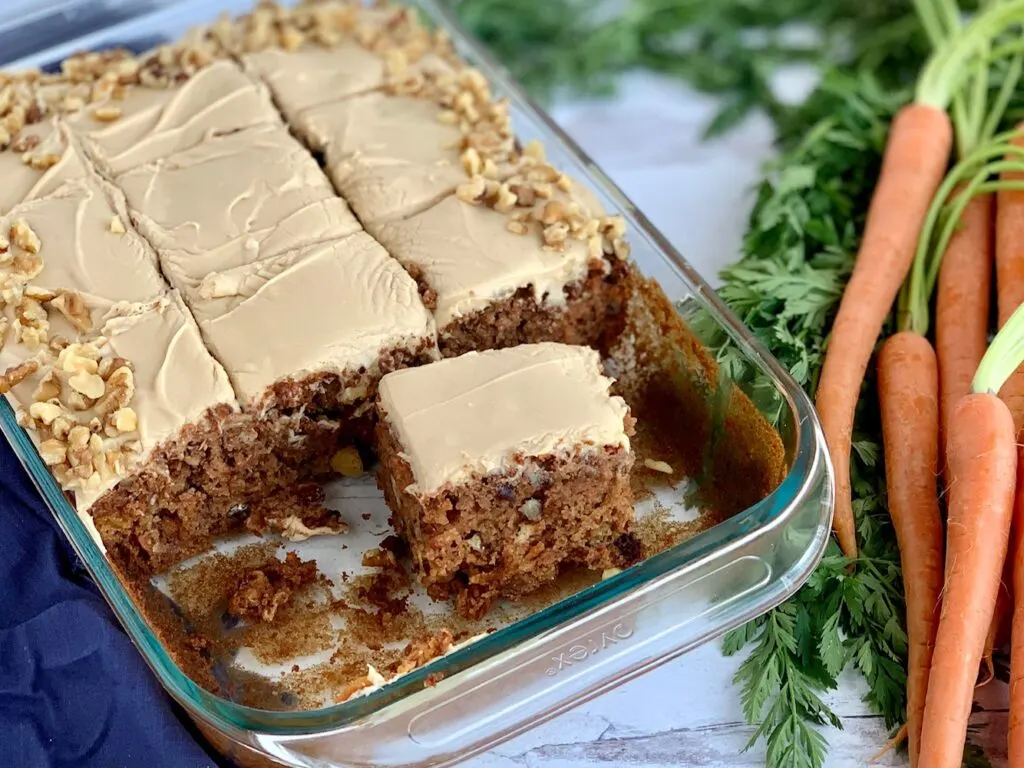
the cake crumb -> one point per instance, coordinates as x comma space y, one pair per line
117, 226
379, 558
423, 650
607, 573
261, 592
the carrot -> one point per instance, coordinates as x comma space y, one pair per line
913, 165
982, 456
1009, 254
1010, 242
1010, 273
962, 304
908, 386
1015, 729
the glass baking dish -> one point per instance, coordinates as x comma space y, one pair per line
559, 656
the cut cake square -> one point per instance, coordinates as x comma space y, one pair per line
313, 330
501, 467
233, 200
142, 124
492, 280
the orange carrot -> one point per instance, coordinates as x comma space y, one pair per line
962, 304
908, 387
1015, 734
913, 166
1009, 248
982, 455
1010, 243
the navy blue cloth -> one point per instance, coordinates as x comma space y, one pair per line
74, 691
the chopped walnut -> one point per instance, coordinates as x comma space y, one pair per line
49, 387
90, 385
53, 452
125, 420
519, 227
79, 357
45, 412
72, 306
16, 374
506, 199
107, 114
41, 162
23, 236
535, 151
472, 191
119, 389
556, 234
471, 162
23, 144
38, 294
110, 364
62, 426
553, 212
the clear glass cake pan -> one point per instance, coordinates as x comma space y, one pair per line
560, 656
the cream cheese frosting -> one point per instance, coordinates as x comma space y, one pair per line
87, 245
472, 414
315, 75
466, 254
176, 378
24, 181
330, 307
389, 156
234, 200
155, 122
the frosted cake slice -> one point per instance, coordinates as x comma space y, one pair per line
501, 467
234, 200
313, 330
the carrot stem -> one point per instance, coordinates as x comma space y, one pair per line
1004, 356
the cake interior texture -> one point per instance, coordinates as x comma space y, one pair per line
505, 466
215, 252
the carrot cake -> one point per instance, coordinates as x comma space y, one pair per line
37, 162
211, 254
314, 329
490, 287
233, 200
503, 466
136, 125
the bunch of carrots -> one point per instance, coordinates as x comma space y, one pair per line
947, 214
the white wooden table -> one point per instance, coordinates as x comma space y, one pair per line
687, 713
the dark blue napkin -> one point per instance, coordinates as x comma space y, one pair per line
73, 690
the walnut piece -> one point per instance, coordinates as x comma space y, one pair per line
49, 387
45, 412
16, 374
23, 236
53, 452
89, 384
107, 114
72, 306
